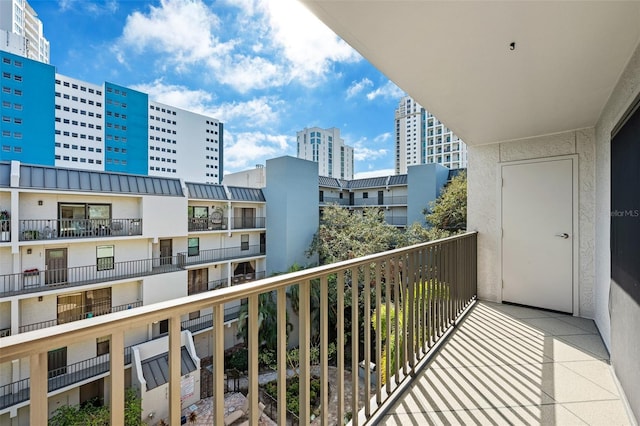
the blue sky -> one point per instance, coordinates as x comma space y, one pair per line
266, 68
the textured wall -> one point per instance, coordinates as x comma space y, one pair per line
484, 196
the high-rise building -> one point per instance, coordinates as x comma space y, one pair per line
21, 31
326, 147
53, 120
422, 139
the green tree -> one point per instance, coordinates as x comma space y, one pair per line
267, 322
345, 234
448, 212
93, 414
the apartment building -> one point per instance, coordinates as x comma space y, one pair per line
423, 139
327, 148
21, 31
55, 120
79, 244
402, 197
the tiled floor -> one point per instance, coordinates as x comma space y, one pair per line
513, 365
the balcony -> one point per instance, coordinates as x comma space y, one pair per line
386, 201
5, 230
55, 229
430, 286
205, 322
396, 220
88, 312
245, 278
248, 222
207, 224
19, 391
34, 281
334, 200
218, 255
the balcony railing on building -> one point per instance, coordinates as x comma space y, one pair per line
33, 281
53, 229
396, 220
221, 254
428, 287
5, 230
84, 312
18, 392
207, 224
248, 222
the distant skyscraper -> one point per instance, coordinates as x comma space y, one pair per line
326, 147
21, 31
422, 139
53, 120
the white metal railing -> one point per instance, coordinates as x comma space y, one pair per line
427, 285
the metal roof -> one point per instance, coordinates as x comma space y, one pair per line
374, 182
206, 191
55, 178
397, 180
156, 369
246, 194
329, 181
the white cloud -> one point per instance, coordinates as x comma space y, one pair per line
262, 44
257, 112
93, 8
358, 86
181, 29
382, 138
361, 152
308, 44
246, 149
388, 91
374, 173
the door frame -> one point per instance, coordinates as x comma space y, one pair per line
575, 236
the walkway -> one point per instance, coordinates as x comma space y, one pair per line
512, 365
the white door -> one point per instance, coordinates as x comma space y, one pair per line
537, 234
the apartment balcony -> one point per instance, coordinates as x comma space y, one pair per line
55, 229
246, 278
84, 313
205, 322
207, 224
19, 392
5, 230
33, 281
396, 220
334, 200
396, 200
429, 286
248, 222
222, 254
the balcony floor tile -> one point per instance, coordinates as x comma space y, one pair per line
513, 365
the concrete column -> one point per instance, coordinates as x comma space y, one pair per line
174, 371
39, 408
116, 359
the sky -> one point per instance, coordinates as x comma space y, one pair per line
265, 68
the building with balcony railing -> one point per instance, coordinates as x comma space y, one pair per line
402, 197
80, 244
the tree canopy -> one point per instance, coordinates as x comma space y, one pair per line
449, 211
344, 234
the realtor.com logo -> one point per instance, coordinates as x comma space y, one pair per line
625, 213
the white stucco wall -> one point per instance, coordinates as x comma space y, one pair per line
161, 287
483, 200
164, 216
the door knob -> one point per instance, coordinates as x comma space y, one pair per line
564, 235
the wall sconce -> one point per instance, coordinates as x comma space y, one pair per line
40, 202
28, 251
39, 298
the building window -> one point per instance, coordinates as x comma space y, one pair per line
102, 346
365, 195
105, 257
244, 242
193, 247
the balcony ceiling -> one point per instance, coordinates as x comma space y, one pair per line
454, 58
